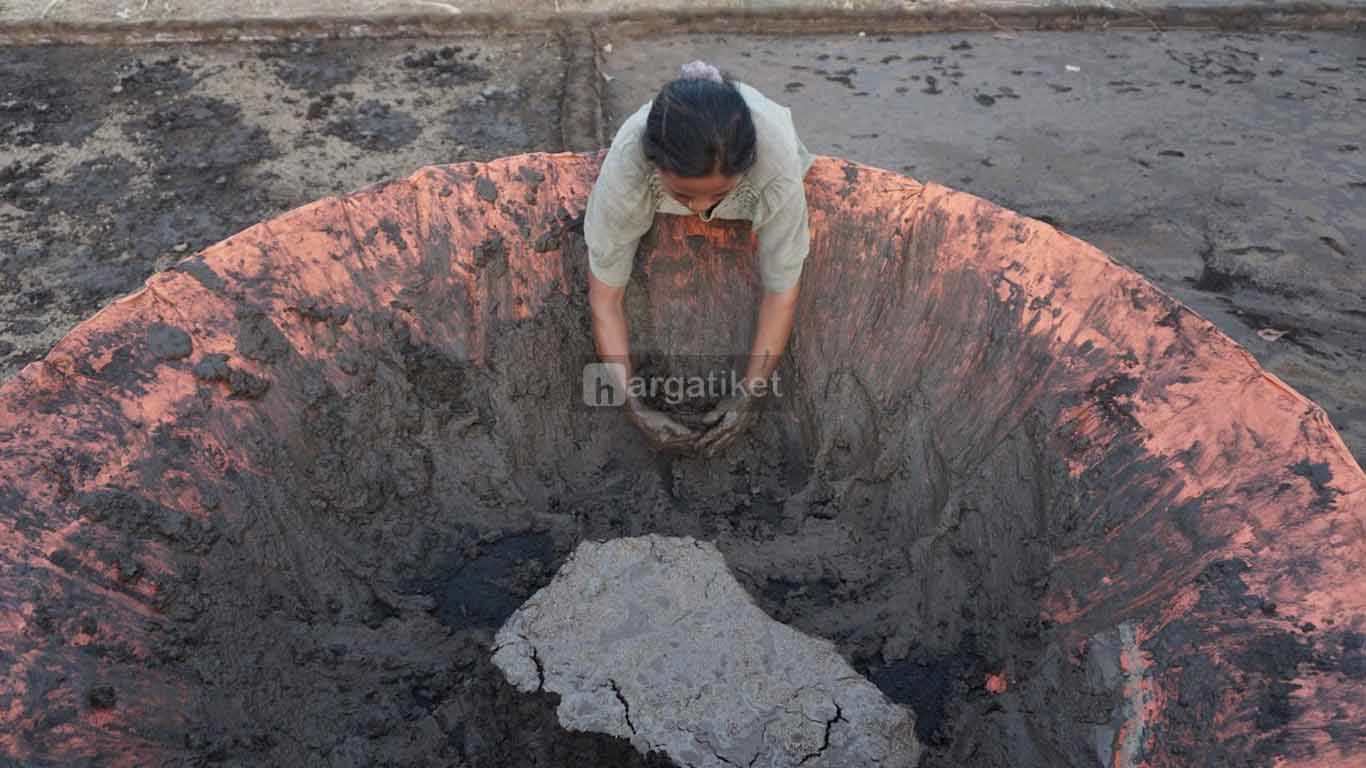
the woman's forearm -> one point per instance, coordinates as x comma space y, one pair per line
611, 336
777, 311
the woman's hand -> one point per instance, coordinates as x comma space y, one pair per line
734, 415
727, 421
663, 433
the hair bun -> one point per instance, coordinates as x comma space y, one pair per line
701, 70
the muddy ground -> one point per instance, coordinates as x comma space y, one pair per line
115, 163
1229, 169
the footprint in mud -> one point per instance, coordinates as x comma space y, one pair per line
306, 66
448, 65
374, 125
38, 112
153, 78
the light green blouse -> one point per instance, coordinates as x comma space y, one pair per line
628, 194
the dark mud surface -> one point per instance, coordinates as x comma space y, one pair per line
1229, 169
338, 611
115, 163
316, 579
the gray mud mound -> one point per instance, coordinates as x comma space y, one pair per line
652, 639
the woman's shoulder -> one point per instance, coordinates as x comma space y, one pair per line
626, 157
633, 127
781, 153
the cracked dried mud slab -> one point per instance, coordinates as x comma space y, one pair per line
661, 627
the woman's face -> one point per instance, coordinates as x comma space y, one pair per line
699, 194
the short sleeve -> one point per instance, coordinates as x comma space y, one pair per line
784, 235
621, 207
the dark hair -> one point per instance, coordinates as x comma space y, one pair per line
697, 126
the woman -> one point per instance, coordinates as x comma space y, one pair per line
714, 148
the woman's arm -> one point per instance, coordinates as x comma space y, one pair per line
784, 240
619, 211
611, 336
736, 414
777, 311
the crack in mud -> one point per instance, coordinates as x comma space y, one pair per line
625, 705
825, 737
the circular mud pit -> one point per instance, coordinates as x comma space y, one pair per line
272, 509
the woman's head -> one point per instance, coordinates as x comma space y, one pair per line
700, 136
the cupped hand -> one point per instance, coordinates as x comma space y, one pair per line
663, 433
726, 422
